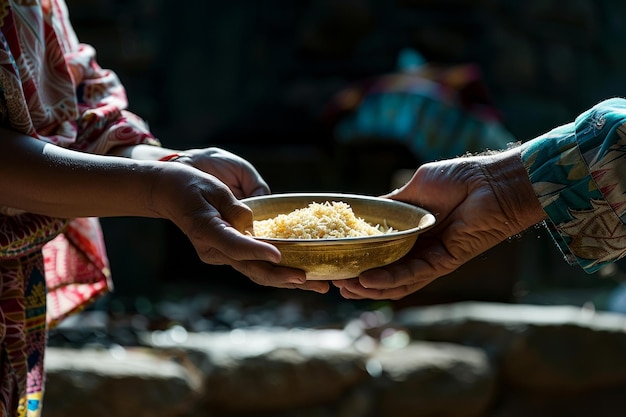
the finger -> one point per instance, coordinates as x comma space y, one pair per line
401, 274
232, 210
321, 287
261, 189
404, 193
256, 188
354, 290
392, 194
244, 192
252, 183
397, 279
234, 243
349, 295
428, 260
267, 274
340, 283
222, 244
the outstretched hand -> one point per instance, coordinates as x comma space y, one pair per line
478, 202
217, 223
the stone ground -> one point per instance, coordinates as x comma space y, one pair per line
226, 357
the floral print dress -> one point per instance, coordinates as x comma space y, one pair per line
51, 88
578, 172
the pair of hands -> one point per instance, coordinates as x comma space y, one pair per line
200, 193
478, 202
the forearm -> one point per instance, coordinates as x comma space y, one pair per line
142, 152
46, 179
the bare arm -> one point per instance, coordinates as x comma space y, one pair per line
46, 179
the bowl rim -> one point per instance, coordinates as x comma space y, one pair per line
347, 240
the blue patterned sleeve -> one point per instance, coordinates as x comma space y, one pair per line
578, 172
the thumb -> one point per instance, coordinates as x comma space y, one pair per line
407, 193
234, 212
239, 216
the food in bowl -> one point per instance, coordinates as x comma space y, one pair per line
343, 257
327, 220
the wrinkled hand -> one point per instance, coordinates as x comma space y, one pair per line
216, 223
478, 202
236, 172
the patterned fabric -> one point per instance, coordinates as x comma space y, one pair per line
23, 322
578, 172
51, 88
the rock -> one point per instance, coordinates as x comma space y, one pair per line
605, 402
282, 379
565, 358
252, 371
116, 382
466, 359
554, 348
423, 378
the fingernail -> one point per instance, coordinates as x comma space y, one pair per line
275, 257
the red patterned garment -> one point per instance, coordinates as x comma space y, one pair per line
51, 88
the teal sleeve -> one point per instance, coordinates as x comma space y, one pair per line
578, 172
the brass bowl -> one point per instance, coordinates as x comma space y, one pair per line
333, 259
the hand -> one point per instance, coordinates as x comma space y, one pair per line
216, 224
237, 173
478, 202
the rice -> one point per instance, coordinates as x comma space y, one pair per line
328, 220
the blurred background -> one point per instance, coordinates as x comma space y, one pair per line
348, 96
351, 96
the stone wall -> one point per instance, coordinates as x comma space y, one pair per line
458, 360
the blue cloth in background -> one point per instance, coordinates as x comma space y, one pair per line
437, 112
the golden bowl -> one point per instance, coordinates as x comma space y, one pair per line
333, 259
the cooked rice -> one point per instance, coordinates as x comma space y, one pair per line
329, 220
